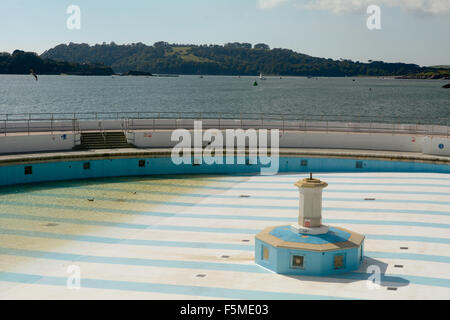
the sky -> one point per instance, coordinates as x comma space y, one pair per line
412, 31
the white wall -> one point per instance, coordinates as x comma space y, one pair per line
364, 141
292, 139
36, 143
439, 146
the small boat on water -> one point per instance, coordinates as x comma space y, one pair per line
261, 77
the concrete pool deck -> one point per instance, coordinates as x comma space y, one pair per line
192, 237
36, 157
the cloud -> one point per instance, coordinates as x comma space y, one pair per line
346, 6
267, 4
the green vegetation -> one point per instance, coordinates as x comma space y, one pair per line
137, 73
230, 59
440, 67
185, 54
21, 62
433, 74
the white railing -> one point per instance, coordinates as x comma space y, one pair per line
131, 121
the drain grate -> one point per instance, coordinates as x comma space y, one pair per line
91, 200
398, 266
245, 240
244, 196
392, 289
28, 170
51, 225
369, 199
225, 257
404, 248
201, 275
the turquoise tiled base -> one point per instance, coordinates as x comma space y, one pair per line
315, 263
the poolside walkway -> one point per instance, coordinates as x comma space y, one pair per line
9, 159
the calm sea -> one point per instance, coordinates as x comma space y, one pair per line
386, 100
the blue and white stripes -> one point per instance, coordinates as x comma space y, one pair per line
151, 236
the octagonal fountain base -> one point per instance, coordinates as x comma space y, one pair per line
285, 251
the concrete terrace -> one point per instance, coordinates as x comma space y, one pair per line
40, 157
192, 237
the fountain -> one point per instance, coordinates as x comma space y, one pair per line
309, 247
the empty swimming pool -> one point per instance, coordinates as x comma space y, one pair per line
192, 236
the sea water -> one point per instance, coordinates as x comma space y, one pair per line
378, 99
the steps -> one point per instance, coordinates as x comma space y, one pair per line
103, 140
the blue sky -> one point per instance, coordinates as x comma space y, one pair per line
414, 31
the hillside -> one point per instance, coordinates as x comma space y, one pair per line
441, 67
230, 59
21, 62
436, 74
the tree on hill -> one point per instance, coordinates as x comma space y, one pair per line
230, 59
262, 46
21, 62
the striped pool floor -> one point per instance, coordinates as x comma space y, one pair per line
192, 237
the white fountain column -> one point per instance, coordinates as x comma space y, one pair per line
310, 207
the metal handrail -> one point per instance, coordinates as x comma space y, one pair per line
102, 130
114, 115
312, 122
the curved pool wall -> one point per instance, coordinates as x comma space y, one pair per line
434, 145
84, 169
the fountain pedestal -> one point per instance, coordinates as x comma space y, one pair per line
310, 207
309, 247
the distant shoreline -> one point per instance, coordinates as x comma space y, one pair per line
407, 77
419, 77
